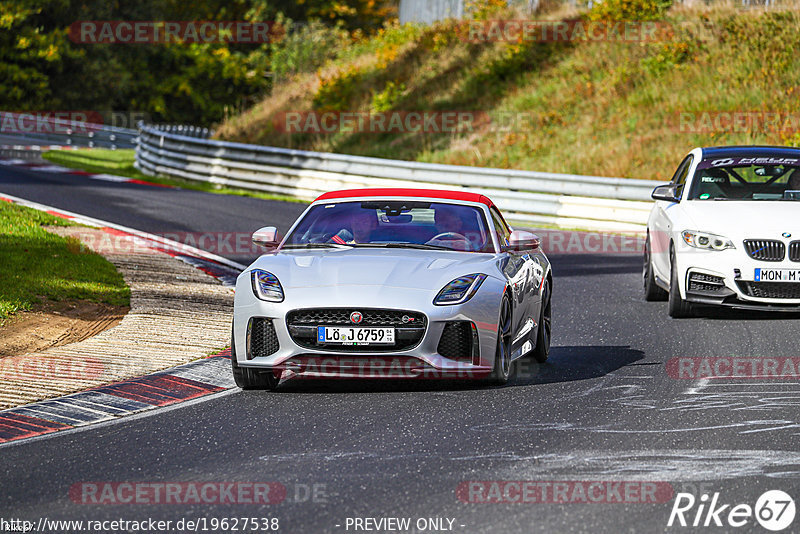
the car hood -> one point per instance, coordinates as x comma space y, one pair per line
409, 268
745, 219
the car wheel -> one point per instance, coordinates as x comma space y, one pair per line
542, 349
652, 292
247, 378
678, 307
502, 357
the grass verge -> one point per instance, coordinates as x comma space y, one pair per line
120, 163
36, 264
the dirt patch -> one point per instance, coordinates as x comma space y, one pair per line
56, 323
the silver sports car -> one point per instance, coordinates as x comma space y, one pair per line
382, 283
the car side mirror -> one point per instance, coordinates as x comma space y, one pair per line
522, 240
667, 192
266, 237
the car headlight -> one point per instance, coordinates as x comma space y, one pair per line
707, 241
266, 286
459, 290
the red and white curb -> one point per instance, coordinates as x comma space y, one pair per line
179, 384
105, 403
58, 169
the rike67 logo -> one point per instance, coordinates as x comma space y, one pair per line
774, 510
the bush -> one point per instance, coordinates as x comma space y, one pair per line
336, 93
306, 47
386, 99
632, 10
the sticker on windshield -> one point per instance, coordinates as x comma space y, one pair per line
734, 162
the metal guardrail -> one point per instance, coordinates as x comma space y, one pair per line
183, 129
37, 128
565, 200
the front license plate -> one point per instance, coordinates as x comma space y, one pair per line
349, 335
777, 275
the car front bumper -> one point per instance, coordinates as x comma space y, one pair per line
727, 278
421, 360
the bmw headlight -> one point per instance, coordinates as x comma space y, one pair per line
266, 286
459, 290
707, 241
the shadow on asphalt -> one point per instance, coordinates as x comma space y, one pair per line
572, 363
566, 364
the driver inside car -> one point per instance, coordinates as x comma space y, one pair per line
449, 230
358, 229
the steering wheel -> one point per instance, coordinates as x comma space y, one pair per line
449, 236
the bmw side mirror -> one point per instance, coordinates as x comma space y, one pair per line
522, 240
266, 237
666, 192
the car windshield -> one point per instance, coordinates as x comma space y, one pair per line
394, 223
747, 179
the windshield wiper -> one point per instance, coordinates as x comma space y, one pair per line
317, 245
423, 246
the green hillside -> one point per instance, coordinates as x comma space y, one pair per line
610, 108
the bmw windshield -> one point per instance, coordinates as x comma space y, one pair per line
395, 223
747, 179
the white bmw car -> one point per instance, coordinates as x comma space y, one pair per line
726, 231
405, 283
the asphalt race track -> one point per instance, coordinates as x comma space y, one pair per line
603, 408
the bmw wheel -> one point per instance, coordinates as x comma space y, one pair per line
652, 292
678, 307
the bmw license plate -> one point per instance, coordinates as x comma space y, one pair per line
350, 335
777, 275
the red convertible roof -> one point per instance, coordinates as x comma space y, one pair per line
402, 192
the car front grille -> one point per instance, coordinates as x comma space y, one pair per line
261, 338
765, 249
794, 251
459, 341
705, 283
770, 290
409, 327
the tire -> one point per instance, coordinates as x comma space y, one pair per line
502, 357
678, 308
542, 349
247, 378
652, 292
